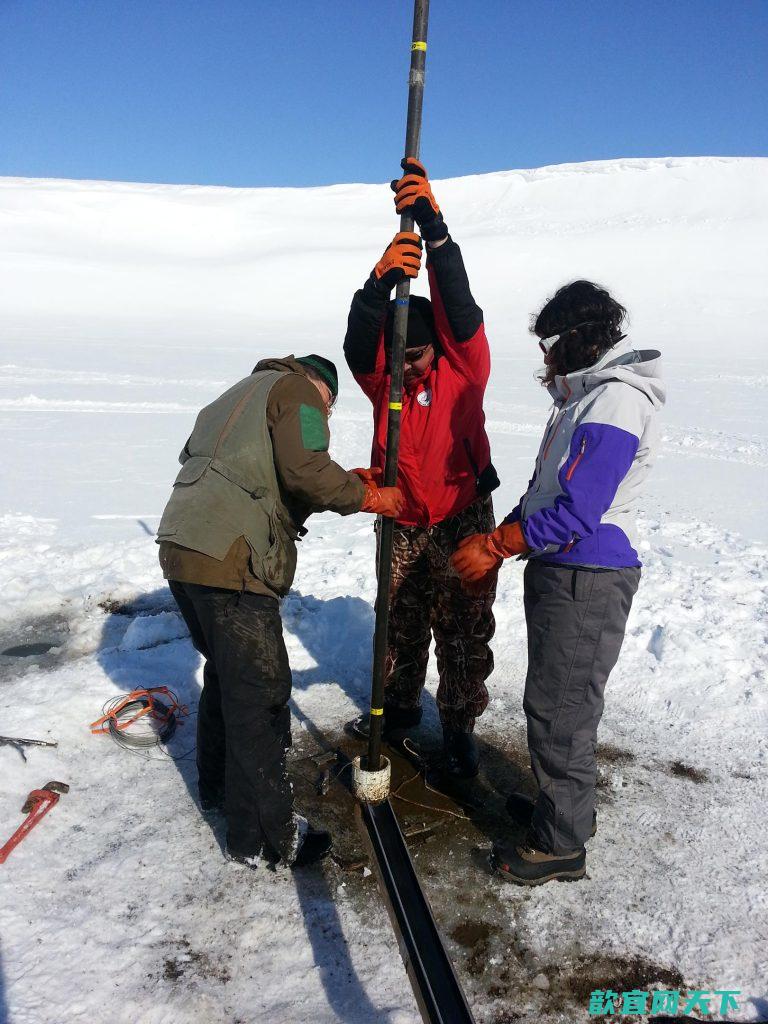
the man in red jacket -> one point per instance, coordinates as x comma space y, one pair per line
445, 472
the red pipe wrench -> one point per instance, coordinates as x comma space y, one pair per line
36, 806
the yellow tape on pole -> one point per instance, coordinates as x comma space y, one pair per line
397, 406
419, 46
377, 711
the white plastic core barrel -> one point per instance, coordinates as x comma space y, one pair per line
371, 787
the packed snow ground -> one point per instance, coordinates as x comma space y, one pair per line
125, 308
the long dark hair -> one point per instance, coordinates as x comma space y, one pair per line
588, 321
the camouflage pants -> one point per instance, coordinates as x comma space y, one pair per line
427, 598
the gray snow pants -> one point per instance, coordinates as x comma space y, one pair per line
576, 620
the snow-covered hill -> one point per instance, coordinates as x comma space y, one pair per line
680, 238
134, 303
123, 309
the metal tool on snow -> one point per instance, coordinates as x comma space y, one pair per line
18, 744
437, 989
36, 806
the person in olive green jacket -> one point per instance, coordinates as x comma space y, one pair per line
253, 470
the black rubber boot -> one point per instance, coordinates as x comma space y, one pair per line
315, 845
520, 807
396, 722
248, 860
524, 864
461, 754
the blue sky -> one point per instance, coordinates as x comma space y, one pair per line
308, 92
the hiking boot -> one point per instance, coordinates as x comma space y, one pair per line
524, 864
520, 807
397, 721
461, 754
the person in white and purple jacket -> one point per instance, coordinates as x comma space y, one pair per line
575, 526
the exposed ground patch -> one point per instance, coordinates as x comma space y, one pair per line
144, 604
188, 962
449, 843
609, 753
572, 980
686, 771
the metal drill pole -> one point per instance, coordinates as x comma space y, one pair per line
400, 330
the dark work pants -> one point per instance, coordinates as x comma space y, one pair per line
243, 719
576, 620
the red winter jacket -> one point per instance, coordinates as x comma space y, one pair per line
444, 459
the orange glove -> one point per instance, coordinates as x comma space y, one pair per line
383, 501
413, 194
401, 259
414, 190
370, 477
482, 553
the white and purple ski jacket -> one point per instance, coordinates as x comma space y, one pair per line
579, 508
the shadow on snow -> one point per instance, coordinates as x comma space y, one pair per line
337, 635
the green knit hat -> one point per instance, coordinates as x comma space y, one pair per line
323, 368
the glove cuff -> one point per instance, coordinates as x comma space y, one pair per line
380, 284
369, 499
507, 540
434, 230
368, 477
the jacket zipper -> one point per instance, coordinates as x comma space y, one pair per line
578, 459
550, 440
549, 437
568, 475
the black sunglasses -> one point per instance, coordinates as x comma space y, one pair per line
413, 355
